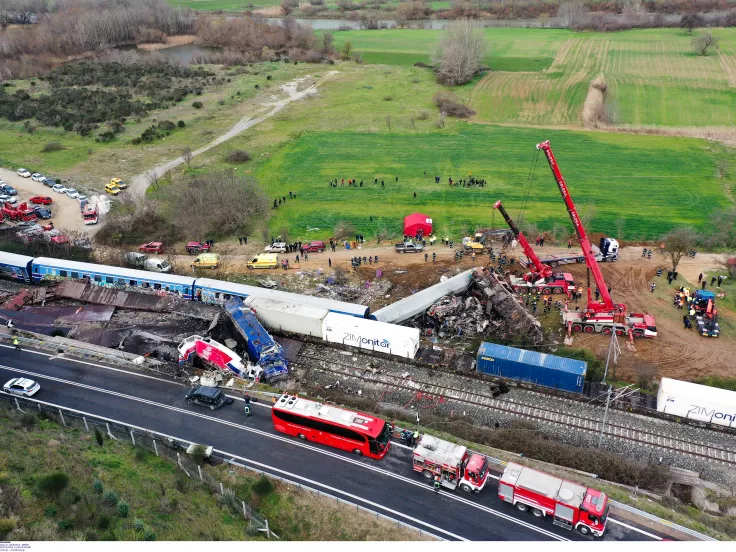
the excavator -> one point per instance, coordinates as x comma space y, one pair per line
599, 316
541, 278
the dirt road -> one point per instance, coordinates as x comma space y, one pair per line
139, 183
65, 210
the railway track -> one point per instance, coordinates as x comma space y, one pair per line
530, 412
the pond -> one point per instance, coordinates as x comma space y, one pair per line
176, 54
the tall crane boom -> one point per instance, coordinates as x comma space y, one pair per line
590, 261
543, 270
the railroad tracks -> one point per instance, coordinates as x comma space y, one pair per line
527, 411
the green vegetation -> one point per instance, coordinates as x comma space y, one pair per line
225, 5
718, 381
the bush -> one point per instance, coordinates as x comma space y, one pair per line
98, 486
263, 487
98, 436
197, 105
238, 156
6, 526
423, 115
141, 454
53, 483
149, 535
181, 124
138, 525
123, 509
50, 511
451, 107
28, 420
103, 522
52, 146
111, 498
166, 125
64, 524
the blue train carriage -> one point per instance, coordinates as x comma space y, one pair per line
48, 269
15, 267
219, 291
551, 371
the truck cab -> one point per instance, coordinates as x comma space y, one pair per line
455, 465
119, 182
112, 189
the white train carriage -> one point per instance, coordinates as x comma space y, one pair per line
697, 402
218, 291
15, 267
45, 268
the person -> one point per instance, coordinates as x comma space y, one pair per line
700, 277
434, 257
10, 324
436, 484
426, 257
16, 344
375, 258
297, 258
652, 286
425, 174
329, 262
415, 195
240, 240
245, 240
688, 324
704, 282
569, 244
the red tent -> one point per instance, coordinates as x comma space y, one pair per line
416, 222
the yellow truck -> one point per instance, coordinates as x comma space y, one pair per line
119, 182
471, 245
112, 189
264, 260
207, 260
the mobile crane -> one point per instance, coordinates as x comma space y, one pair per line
541, 278
602, 316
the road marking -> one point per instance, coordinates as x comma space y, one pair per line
282, 439
632, 528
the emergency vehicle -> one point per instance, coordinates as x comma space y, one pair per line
571, 506
454, 464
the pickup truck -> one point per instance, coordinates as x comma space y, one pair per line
409, 247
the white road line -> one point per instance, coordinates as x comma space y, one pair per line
285, 440
630, 527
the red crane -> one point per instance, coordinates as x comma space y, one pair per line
602, 316
542, 270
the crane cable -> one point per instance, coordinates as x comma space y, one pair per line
528, 188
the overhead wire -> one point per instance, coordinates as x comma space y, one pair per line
528, 188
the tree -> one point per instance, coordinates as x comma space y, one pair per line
690, 21
328, 40
186, 154
346, 49
388, 122
677, 243
722, 168
459, 53
620, 224
571, 13
728, 263
703, 42
287, 6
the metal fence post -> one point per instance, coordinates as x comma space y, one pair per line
199, 469
85, 423
178, 461
222, 488
155, 447
245, 510
17, 404
61, 414
109, 433
132, 437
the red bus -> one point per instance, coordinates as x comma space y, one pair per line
333, 426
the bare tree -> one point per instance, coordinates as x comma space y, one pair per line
620, 224
728, 263
460, 52
703, 42
690, 21
346, 49
677, 244
388, 122
645, 373
186, 154
587, 215
634, 6
344, 230
572, 13
328, 40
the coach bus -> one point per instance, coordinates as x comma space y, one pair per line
329, 425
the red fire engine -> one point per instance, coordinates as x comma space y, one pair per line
454, 464
571, 506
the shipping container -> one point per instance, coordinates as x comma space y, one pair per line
551, 371
286, 316
697, 402
371, 334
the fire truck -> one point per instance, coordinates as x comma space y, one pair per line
454, 464
571, 506
541, 278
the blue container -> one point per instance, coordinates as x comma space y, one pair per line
552, 371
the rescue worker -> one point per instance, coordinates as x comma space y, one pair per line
434, 257
246, 399
436, 484
16, 344
426, 257
415, 437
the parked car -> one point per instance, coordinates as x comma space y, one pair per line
194, 247
4, 198
119, 183
409, 247
152, 247
38, 177
58, 188
41, 200
82, 204
50, 182
25, 173
42, 212
22, 386
81, 198
8, 189
278, 247
72, 193
208, 396
11, 200
315, 247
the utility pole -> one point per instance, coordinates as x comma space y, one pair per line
605, 415
613, 348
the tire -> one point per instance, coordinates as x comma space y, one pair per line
212, 407
466, 488
577, 327
357, 452
580, 260
547, 291
250, 268
537, 512
620, 332
557, 290
534, 290
428, 475
638, 333
589, 329
189, 401
521, 506
553, 264
606, 331
584, 530
302, 437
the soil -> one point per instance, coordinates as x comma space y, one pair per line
64, 210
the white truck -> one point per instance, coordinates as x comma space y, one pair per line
697, 402
607, 252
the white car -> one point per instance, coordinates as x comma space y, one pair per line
22, 386
58, 188
38, 177
12, 200
72, 193
81, 198
278, 247
25, 173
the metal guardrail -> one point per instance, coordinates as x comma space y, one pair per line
652, 517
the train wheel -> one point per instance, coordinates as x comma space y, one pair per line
557, 290
638, 333
606, 331
577, 327
521, 507
358, 452
537, 512
466, 488
428, 474
589, 329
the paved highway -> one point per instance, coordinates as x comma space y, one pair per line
389, 486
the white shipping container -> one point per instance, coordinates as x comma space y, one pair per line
371, 334
697, 402
287, 317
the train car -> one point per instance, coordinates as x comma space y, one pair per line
15, 267
566, 374
371, 335
285, 316
697, 402
218, 291
45, 268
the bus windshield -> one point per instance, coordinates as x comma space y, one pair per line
385, 435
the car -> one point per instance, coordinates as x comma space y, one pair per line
22, 386
41, 200
81, 198
72, 193
58, 188
25, 173
152, 247
42, 213
50, 182
197, 247
119, 183
4, 198
8, 189
82, 204
38, 177
315, 247
208, 396
11, 200
278, 247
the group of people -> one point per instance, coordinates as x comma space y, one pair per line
279, 200
646, 254
714, 280
357, 261
464, 182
